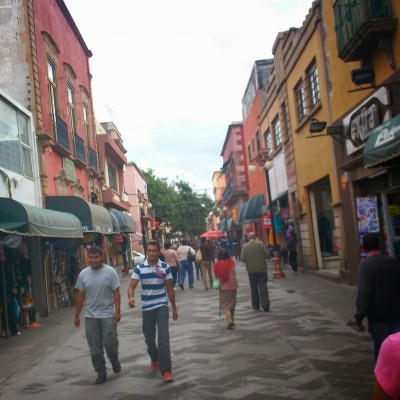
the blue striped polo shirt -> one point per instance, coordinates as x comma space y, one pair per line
154, 293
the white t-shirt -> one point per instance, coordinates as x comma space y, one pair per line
183, 252
99, 286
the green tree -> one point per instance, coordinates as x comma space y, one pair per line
177, 205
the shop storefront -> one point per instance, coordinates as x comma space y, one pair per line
26, 232
250, 214
120, 249
370, 178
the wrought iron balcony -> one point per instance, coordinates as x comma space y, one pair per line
93, 161
79, 150
61, 140
359, 26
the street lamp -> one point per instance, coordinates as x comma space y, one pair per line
142, 203
226, 222
263, 160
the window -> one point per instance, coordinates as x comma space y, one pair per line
268, 141
277, 132
249, 152
312, 75
15, 141
300, 101
51, 75
71, 110
86, 123
112, 178
258, 141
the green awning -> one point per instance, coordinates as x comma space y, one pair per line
251, 210
383, 145
121, 221
26, 220
93, 218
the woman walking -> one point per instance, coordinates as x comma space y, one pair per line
224, 270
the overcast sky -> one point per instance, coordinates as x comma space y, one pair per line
171, 74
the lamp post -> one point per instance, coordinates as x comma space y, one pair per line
226, 222
266, 164
142, 203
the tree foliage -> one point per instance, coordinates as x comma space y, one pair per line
177, 205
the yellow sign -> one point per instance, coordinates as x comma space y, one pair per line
234, 213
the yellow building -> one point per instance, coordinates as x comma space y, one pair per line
301, 54
362, 47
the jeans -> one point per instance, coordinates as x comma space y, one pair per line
259, 291
174, 272
293, 260
102, 332
380, 331
187, 266
206, 268
152, 319
197, 266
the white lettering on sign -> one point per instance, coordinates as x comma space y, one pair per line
386, 136
363, 123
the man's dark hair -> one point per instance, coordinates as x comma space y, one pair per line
95, 250
167, 245
203, 240
184, 242
154, 243
223, 254
370, 242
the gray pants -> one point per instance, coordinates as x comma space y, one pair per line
152, 319
102, 333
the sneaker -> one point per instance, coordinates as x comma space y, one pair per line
116, 367
167, 376
154, 366
101, 379
181, 286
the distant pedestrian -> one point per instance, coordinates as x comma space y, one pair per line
98, 287
254, 254
207, 258
171, 258
378, 296
155, 277
292, 249
224, 270
184, 250
387, 370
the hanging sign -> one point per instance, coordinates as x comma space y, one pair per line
266, 221
367, 214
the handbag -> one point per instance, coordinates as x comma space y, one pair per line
190, 256
16, 309
198, 257
217, 284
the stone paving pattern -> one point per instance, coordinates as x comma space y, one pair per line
304, 348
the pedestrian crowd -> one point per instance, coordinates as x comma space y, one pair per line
378, 299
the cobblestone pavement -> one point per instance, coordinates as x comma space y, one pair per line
303, 348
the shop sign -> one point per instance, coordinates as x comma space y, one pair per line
266, 221
361, 123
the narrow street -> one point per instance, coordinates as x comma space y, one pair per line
302, 349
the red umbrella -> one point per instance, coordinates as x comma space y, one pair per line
213, 234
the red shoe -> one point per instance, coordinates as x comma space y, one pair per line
167, 376
35, 325
154, 366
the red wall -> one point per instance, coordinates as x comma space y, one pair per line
49, 18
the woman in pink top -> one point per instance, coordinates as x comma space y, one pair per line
224, 270
387, 370
171, 258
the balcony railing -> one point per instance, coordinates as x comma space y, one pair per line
355, 19
79, 148
61, 133
93, 162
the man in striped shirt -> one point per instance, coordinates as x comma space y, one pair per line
156, 280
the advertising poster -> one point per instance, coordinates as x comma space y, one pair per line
367, 214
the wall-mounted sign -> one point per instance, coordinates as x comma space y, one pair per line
367, 214
266, 221
360, 123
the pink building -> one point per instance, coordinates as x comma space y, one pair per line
136, 190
